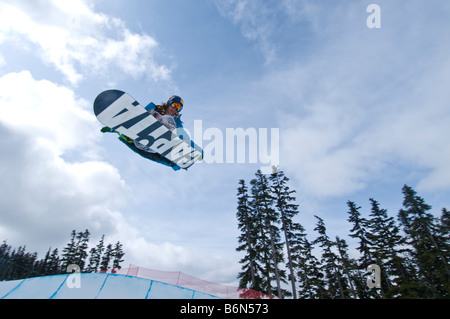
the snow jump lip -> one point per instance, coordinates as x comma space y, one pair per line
95, 286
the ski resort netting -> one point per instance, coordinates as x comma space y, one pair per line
180, 279
129, 283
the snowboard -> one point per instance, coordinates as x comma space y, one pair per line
123, 114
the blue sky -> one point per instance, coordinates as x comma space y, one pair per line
361, 112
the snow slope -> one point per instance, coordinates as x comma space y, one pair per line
95, 286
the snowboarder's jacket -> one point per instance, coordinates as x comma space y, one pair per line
161, 109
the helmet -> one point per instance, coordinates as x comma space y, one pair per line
176, 102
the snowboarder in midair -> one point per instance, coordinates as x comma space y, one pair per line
168, 114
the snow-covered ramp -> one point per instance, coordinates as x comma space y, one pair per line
95, 286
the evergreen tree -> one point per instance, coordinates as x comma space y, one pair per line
41, 266
249, 277
5, 251
287, 210
348, 266
366, 258
428, 246
336, 285
96, 255
76, 250
383, 241
444, 235
69, 252
53, 263
269, 242
19, 264
106, 258
81, 248
444, 231
445, 221
310, 278
117, 254
359, 232
387, 248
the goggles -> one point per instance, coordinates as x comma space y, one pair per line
176, 105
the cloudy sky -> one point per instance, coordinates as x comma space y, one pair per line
360, 111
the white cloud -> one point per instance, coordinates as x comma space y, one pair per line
51, 114
256, 20
301, 9
40, 123
276, 26
76, 40
366, 105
